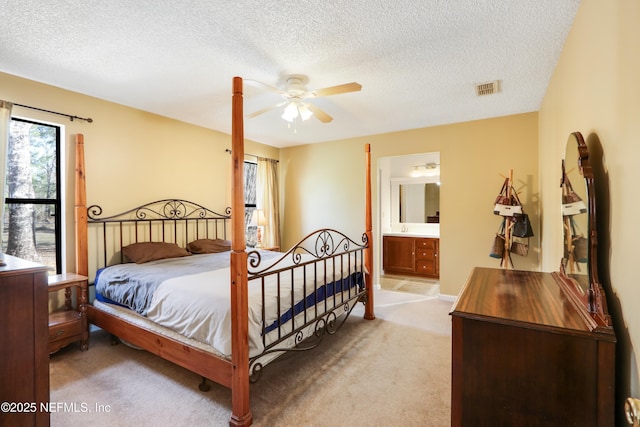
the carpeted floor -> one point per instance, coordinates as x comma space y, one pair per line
395, 370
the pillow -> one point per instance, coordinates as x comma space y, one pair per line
209, 246
151, 251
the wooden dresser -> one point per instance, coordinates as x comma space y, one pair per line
24, 351
411, 255
524, 354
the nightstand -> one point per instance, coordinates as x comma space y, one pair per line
69, 324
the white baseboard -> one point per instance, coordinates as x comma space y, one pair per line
448, 298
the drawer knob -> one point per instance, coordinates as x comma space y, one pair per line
56, 335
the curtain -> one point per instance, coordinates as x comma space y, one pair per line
5, 122
268, 200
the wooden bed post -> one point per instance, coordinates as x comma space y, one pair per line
241, 412
82, 261
368, 261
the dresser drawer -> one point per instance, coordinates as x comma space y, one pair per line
63, 325
424, 253
426, 244
426, 268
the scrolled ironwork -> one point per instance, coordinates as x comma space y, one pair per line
175, 209
331, 323
255, 372
320, 327
325, 243
94, 211
254, 258
165, 209
365, 240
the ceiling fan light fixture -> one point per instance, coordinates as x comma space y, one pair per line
290, 112
305, 113
295, 93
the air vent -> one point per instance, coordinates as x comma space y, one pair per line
488, 88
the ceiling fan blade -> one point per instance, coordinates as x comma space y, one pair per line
319, 114
264, 110
256, 83
335, 90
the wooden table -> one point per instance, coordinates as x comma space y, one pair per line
69, 324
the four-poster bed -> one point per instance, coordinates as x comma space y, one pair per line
277, 300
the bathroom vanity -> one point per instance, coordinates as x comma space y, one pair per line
411, 255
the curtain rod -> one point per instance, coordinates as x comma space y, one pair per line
228, 150
88, 120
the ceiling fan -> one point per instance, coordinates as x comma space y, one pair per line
295, 96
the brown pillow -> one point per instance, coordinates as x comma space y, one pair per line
151, 251
209, 246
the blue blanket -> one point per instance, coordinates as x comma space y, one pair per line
132, 285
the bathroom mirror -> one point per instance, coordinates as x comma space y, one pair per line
419, 203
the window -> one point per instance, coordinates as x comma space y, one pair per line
33, 220
250, 172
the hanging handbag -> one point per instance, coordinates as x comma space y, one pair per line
502, 198
579, 245
572, 204
497, 248
579, 242
522, 226
507, 206
507, 210
569, 195
580, 252
520, 248
574, 208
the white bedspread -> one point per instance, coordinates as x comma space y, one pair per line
198, 305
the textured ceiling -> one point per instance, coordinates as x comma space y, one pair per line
418, 60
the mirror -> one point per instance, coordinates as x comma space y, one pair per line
419, 203
579, 223
575, 218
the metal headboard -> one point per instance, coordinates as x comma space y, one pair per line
168, 220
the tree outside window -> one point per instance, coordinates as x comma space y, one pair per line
32, 194
250, 172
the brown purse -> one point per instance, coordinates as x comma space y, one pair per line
520, 248
497, 249
580, 252
502, 198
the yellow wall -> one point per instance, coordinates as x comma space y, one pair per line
132, 157
595, 90
472, 157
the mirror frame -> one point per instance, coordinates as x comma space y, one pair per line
594, 300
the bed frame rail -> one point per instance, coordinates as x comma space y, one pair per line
331, 269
